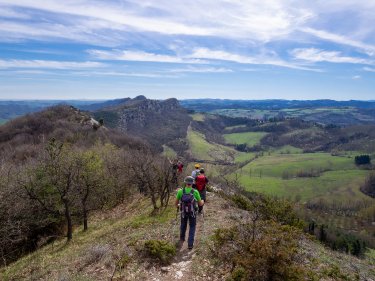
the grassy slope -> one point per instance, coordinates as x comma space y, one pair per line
197, 116
118, 235
203, 150
169, 152
250, 138
114, 231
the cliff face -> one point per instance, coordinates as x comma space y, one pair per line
138, 113
158, 122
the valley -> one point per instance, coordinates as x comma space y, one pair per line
325, 185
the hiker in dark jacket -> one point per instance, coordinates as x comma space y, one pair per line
187, 199
200, 184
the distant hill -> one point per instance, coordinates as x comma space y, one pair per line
13, 109
158, 122
102, 104
212, 104
341, 113
20, 138
321, 111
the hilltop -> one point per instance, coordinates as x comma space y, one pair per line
20, 138
158, 122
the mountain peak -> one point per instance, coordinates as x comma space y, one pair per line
139, 98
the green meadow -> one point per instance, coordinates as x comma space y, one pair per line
197, 116
250, 138
333, 185
169, 152
277, 165
201, 149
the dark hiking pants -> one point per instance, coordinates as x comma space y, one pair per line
203, 197
192, 224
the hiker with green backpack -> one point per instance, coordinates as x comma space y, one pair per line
188, 200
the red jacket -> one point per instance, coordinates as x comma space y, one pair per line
200, 182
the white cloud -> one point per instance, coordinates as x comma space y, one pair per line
196, 56
7, 12
339, 39
356, 77
128, 55
44, 64
369, 69
202, 70
250, 20
127, 74
317, 55
205, 53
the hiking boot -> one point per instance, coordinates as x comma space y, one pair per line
180, 243
190, 248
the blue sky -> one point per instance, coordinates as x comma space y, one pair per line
81, 49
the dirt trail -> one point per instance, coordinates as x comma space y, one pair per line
217, 213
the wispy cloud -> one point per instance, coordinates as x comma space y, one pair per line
44, 64
128, 55
229, 19
340, 39
201, 70
205, 53
126, 74
7, 12
317, 55
196, 56
369, 69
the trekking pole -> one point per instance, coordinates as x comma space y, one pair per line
177, 210
175, 222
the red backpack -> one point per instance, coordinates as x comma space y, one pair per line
200, 182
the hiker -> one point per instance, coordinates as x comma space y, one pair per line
187, 199
180, 166
174, 167
200, 184
195, 173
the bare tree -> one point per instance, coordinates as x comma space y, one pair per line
89, 182
153, 175
50, 181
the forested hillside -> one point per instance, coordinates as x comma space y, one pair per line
56, 167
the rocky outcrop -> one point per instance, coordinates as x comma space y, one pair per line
158, 122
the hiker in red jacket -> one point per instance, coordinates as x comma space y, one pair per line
200, 182
179, 167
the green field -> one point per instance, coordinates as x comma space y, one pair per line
203, 150
277, 165
198, 116
289, 112
169, 152
250, 138
286, 149
331, 185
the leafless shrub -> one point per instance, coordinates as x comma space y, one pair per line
96, 253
